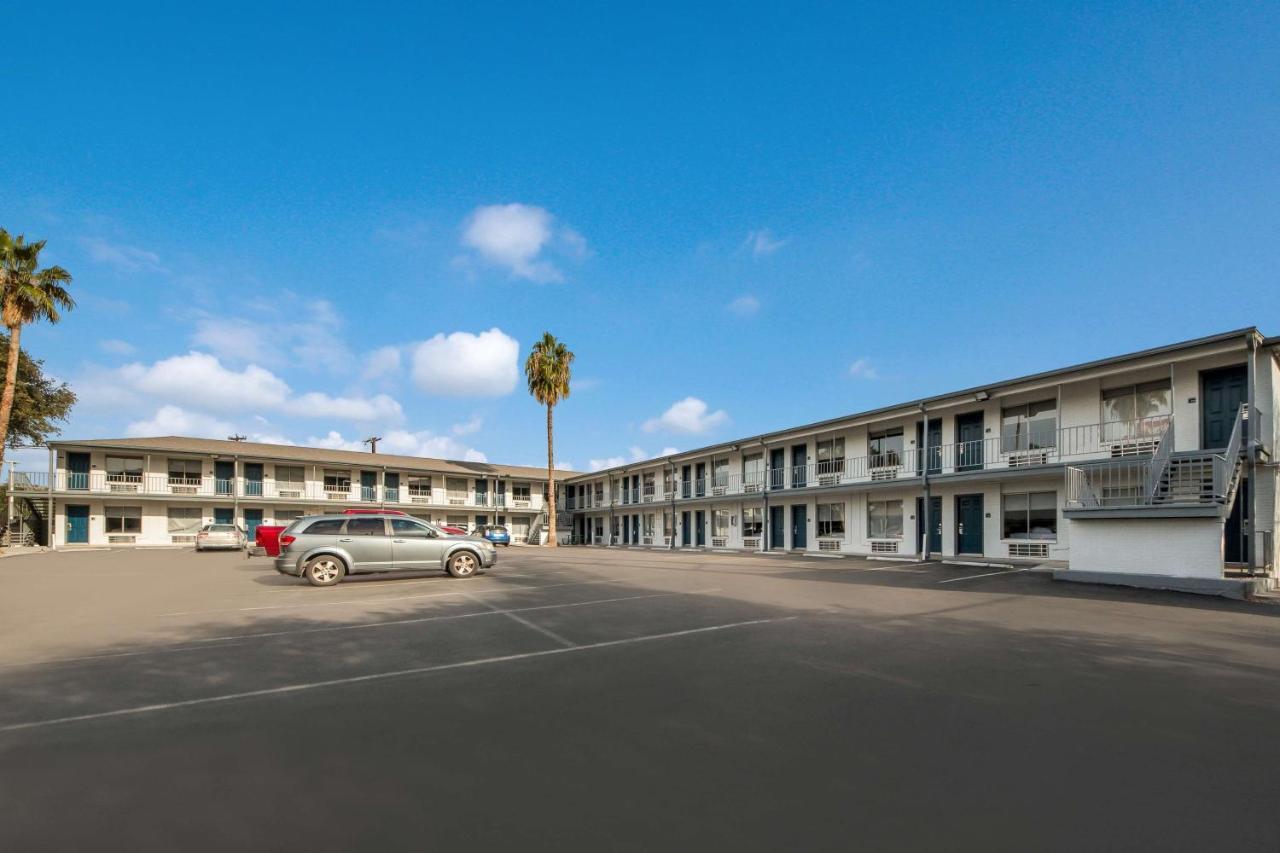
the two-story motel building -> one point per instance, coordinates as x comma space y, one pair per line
1153, 463
159, 491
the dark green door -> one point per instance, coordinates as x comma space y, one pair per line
934, 524
777, 527
777, 468
685, 532
224, 475
934, 452
1221, 393
1235, 543
368, 485
799, 526
252, 518
700, 526
253, 478
78, 524
78, 477
969, 524
799, 465
391, 487
969, 442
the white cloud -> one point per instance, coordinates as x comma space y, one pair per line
314, 404
115, 346
467, 365
745, 305
300, 332
382, 362
689, 415
172, 420
122, 257
863, 369
607, 462
669, 451
564, 466
762, 242
200, 379
469, 426
405, 443
517, 237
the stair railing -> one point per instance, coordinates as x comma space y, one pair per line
1159, 462
1226, 466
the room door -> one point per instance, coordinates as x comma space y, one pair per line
969, 524
252, 518
78, 525
935, 524
1221, 393
969, 437
777, 527
78, 474
1235, 543
685, 532
799, 526
700, 525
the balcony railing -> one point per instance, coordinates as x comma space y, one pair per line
1029, 448
311, 491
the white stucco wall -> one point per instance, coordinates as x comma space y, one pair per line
1181, 547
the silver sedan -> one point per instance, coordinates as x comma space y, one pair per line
221, 536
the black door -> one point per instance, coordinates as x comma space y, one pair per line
684, 483
700, 479
969, 441
777, 527
635, 530
685, 532
799, 465
777, 464
700, 525
969, 524
1235, 543
799, 526
1221, 393
934, 453
934, 521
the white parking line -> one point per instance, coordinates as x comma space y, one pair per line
987, 575
378, 676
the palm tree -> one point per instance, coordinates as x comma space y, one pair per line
547, 370
27, 294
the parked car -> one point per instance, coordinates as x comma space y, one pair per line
267, 537
325, 548
219, 536
372, 511
497, 534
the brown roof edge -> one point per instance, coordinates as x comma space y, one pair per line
301, 453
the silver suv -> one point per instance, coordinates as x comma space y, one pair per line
325, 548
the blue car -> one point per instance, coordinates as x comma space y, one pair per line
497, 534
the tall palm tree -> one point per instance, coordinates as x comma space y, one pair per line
27, 294
547, 370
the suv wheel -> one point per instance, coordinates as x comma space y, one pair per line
463, 564
324, 571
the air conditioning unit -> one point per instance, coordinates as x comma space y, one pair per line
884, 547
1133, 447
457, 501
717, 490
719, 542
884, 473
1024, 459
751, 487
648, 540
182, 540
1029, 549
828, 479
336, 496
123, 487
752, 542
183, 490
828, 544
121, 539
419, 499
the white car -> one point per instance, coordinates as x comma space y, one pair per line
220, 536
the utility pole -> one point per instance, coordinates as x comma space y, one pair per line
372, 441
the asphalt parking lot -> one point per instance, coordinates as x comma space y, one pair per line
606, 699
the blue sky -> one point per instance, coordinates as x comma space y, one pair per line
315, 228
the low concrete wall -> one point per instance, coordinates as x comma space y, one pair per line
1175, 547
